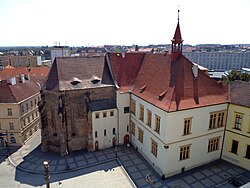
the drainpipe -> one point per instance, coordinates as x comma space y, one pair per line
222, 144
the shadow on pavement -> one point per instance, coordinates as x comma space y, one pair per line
60, 168
6, 151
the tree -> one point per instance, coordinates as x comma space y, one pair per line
234, 75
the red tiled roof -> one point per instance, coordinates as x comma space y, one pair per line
18, 92
125, 68
240, 93
38, 74
172, 86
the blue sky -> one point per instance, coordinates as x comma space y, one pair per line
142, 22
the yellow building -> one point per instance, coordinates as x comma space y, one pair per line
19, 97
19, 116
237, 135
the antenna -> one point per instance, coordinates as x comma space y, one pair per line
178, 11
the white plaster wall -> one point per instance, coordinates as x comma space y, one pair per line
102, 123
123, 100
149, 133
171, 134
200, 123
198, 154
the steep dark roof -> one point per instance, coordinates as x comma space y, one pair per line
102, 104
171, 85
240, 93
69, 73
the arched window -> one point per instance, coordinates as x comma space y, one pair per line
113, 131
12, 140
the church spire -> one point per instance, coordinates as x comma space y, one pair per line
177, 40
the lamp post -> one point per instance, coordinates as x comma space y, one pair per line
46, 173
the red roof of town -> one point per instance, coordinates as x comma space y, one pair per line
38, 74
171, 85
125, 68
18, 92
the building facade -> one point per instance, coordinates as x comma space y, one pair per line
236, 147
220, 61
19, 97
20, 61
19, 116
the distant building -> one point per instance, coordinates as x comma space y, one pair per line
236, 147
220, 61
20, 61
59, 51
19, 97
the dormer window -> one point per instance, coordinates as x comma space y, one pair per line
162, 95
95, 80
75, 81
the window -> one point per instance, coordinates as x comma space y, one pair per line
28, 119
238, 121
97, 115
114, 131
105, 132
187, 126
27, 106
184, 152
111, 113
11, 126
141, 112
12, 140
213, 144
132, 127
157, 124
30, 132
31, 104
9, 111
126, 110
149, 118
22, 109
35, 101
127, 128
154, 147
248, 152
24, 122
234, 148
104, 114
95, 134
32, 116
133, 106
217, 119
140, 135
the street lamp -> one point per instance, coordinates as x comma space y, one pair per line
46, 173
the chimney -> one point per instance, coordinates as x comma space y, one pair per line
22, 78
12, 80
195, 70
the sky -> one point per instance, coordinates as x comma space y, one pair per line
120, 22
